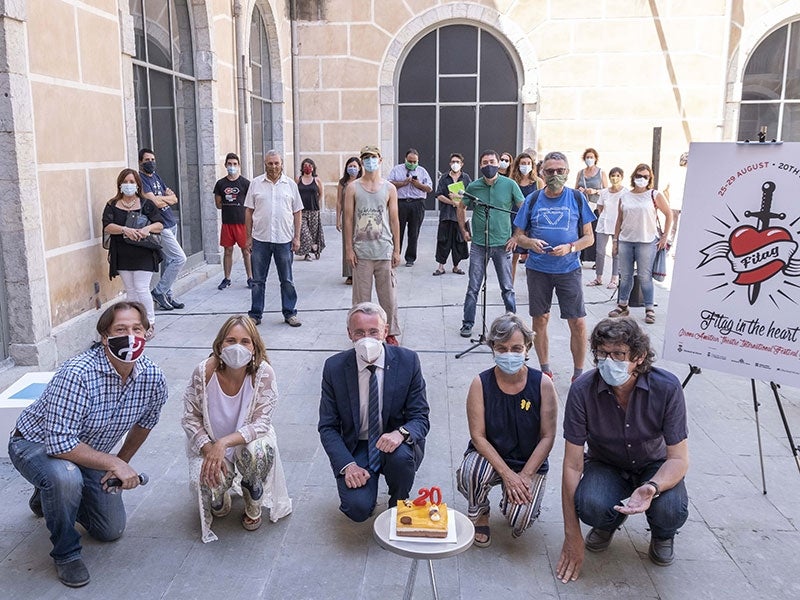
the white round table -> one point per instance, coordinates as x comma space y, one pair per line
430, 551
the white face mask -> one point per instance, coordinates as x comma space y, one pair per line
128, 189
455, 167
368, 349
236, 356
525, 169
589, 162
640, 182
503, 164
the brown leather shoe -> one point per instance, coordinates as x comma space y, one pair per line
598, 539
661, 551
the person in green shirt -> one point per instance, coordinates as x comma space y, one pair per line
501, 193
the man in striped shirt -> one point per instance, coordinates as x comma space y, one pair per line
63, 442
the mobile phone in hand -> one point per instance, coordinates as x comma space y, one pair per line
547, 248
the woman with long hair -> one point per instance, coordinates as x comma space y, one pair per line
637, 237
227, 416
352, 171
134, 264
528, 180
504, 164
312, 239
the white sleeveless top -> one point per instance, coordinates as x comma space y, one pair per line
638, 217
226, 414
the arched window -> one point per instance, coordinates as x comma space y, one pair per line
458, 92
771, 87
260, 92
166, 114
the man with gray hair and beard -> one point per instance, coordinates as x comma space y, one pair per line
555, 224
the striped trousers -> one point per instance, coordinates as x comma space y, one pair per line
476, 477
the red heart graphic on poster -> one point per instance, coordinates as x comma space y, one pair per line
747, 239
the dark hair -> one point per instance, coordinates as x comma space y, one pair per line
516, 174
650, 178
345, 175
144, 151
457, 155
232, 156
120, 178
308, 161
624, 330
591, 151
412, 151
510, 163
107, 318
615, 170
488, 152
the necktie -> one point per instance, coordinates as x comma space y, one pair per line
374, 421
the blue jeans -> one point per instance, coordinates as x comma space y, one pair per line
263, 252
70, 493
398, 467
642, 254
173, 260
502, 266
603, 486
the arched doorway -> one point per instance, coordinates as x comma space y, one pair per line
458, 91
165, 91
771, 87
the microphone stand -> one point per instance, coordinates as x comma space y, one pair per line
487, 208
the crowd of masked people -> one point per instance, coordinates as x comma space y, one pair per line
624, 421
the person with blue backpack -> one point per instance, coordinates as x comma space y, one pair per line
555, 224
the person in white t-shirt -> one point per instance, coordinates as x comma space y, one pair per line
607, 209
273, 215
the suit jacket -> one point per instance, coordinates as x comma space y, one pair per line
404, 403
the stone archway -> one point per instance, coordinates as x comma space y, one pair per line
504, 29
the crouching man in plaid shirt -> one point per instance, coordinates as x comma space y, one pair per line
62, 443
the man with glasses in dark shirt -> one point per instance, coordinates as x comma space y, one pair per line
632, 418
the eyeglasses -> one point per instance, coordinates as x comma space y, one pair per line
550, 172
619, 355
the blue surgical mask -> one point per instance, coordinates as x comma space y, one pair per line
352, 171
489, 171
128, 189
614, 372
371, 164
509, 362
232, 170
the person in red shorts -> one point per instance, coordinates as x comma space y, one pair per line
229, 195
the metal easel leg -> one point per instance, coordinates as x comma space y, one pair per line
412, 576
792, 445
758, 434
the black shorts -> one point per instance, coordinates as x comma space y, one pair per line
568, 288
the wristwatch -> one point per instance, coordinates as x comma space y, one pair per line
405, 433
655, 485
572, 247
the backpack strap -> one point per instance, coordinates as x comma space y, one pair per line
577, 195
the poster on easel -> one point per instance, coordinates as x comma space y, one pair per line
735, 296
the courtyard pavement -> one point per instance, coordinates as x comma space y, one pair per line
738, 542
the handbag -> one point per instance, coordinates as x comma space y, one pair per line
136, 220
660, 259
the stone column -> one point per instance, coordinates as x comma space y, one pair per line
21, 243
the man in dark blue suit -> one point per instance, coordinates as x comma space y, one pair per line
395, 443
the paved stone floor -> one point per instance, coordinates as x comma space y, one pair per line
738, 542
